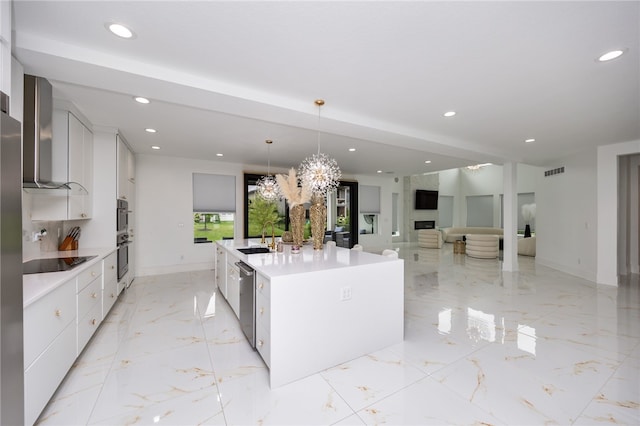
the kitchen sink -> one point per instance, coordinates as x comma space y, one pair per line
254, 250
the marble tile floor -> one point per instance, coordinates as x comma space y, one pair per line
481, 346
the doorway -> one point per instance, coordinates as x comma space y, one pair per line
342, 214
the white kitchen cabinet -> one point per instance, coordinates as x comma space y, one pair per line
72, 161
80, 169
89, 304
221, 270
109, 283
125, 171
263, 318
50, 346
233, 284
43, 377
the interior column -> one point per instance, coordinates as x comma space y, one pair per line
510, 215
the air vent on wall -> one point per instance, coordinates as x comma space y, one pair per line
554, 171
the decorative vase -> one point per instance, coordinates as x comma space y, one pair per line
296, 219
527, 231
318, 216
287, 237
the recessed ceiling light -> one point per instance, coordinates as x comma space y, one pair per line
219, 155
529, 140
379, 171
155, 147
427, 162
449, 113
141, 100
150, 130
611, 55
120, 30
352, 149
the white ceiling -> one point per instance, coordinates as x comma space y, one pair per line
225, 76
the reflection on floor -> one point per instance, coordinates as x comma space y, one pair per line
481, 346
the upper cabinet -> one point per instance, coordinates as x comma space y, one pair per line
126, 172
80, 169
72, 146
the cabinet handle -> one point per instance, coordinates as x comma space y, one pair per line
93, 273
83, 215
58, 312
93, 321
260, 343
261, 311
113, 267
113, 295
93, 295
261, 286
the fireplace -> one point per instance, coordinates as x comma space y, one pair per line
424, 224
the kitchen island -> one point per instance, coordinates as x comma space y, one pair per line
317, 308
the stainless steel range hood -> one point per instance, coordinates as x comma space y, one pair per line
37, 138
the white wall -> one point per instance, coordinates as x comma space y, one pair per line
164, 210
608, 241
382, 238
566, 216
450, 185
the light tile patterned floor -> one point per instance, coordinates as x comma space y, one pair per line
481, 346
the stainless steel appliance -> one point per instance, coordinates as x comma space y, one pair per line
11, 322
38, 143
247, 312
123, 255
122, 216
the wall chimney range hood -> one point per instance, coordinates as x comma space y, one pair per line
37, 163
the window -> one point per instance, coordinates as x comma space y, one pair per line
214, 205
369, 208
480, 210
261, 214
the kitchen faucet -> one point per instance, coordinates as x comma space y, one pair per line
272, 246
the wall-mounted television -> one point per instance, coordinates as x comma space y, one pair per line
426, 200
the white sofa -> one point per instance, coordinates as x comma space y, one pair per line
483, 246
449, 235
527, 246
429, 238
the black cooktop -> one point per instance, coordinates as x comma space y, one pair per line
40, 266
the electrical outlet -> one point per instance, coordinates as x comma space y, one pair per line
345, 293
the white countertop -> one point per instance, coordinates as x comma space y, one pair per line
308, 260
34, 286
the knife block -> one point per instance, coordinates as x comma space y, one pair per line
68, 244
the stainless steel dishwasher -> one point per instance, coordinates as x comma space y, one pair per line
247, 313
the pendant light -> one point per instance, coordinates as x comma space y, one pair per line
267, 186
320, 171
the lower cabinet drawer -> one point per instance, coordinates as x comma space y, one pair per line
109, 296
263, 344
263, 312
88, 325
46, 318
89, 297
43, 377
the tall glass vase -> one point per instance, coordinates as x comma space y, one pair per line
318, 216
296, 219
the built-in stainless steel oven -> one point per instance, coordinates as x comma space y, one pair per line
123, 255
122, 237
122, 216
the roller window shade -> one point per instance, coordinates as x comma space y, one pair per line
480, 210
369, 199
214, 193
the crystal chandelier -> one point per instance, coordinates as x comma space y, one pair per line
267, 186
320, 171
